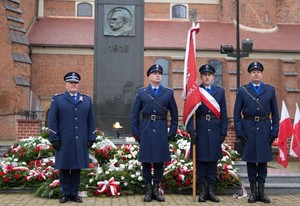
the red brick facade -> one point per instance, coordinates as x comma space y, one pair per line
28, 128
48, 66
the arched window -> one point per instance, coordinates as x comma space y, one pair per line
165, 76
179, 11
85, 9
217, 64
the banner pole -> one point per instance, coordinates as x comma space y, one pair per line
194, 165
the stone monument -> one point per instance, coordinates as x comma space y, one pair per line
118, 62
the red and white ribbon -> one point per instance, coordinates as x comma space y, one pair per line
105, 186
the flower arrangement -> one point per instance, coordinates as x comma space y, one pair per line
114, 170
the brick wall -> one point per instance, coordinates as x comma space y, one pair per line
28, 128
14, 99
288, 12
59, 8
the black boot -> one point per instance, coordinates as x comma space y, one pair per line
202, 196
261, 193
253, 195
211, 193
148, 195
155, 193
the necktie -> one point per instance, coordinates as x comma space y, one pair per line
256, 87
207, 89
154, 91
74, 97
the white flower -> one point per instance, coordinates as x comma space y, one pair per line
125, 184
132, 176
140, 178
106, 172
122, 178
122, 167
130, 167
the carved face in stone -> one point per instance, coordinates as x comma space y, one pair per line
118, 19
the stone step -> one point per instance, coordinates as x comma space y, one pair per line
240, 166
274, 178
278, 188
4, 148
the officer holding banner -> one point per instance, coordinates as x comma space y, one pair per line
209, 134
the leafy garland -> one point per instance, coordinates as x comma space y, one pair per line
113, 170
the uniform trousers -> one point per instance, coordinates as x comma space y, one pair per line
69, 182
257, 172
206, 172
158, 172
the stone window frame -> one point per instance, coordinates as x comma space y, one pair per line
85, 3
179, 6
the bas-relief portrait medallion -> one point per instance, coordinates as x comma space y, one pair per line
119, 20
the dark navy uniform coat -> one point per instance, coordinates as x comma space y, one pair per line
74, 125
209, 133
154, 145
257, 148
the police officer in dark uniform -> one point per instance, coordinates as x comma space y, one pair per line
256, 122
210, 133
72, 132
150, 128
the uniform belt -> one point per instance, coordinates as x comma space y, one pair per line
257, 118
154, 117
208, 117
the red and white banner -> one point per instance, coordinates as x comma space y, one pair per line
285, 131
295, 142
191, 93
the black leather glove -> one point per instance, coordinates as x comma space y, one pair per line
242, 139
56, 145
90, 144
137, 138
271, 140
171, 138
222, 139
193, 135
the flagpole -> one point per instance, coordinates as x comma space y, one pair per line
194, 165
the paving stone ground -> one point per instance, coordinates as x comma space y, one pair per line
28, 199
137, 200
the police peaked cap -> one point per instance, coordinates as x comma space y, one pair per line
72, 77
207, 68
255, 66
154, 68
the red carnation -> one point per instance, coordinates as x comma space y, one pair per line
17, 176
6, 179
178, 184
37, 149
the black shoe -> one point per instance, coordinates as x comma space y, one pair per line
64, 199
76, 198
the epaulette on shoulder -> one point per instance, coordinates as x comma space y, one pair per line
85, 95
142, 88
169, 88
58, 94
